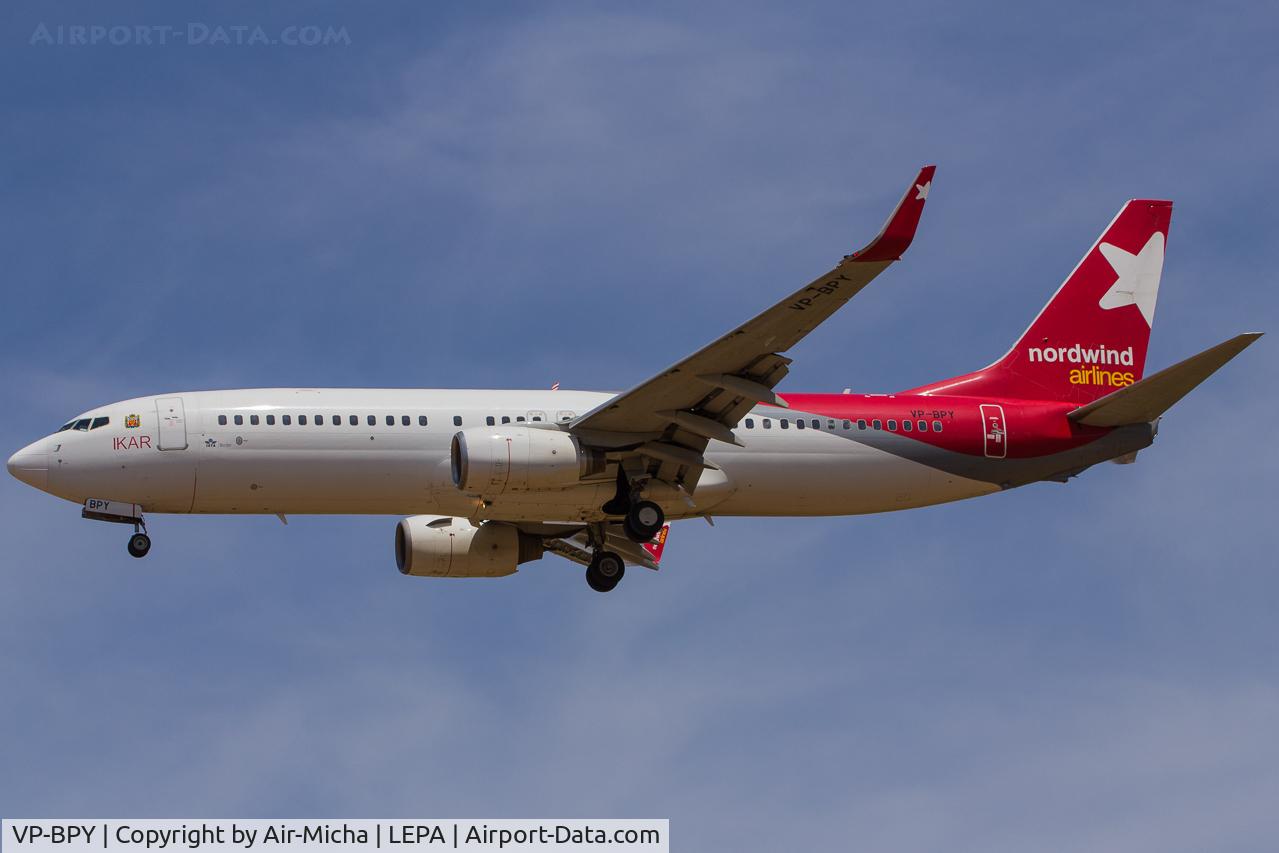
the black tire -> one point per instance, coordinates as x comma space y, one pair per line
644, 521
139, 545
605, 571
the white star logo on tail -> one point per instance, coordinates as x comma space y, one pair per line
1138, 282
921, 191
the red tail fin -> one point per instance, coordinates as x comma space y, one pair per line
1091, 337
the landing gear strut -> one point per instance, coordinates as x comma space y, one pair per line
605, 571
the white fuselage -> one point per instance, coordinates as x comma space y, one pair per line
279, 451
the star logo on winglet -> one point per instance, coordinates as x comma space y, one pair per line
1138, 282
921, 190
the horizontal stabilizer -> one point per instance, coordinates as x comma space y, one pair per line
1149, 398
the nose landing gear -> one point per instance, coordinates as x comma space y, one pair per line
139, 544
121, 513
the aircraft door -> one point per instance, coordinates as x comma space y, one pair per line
173, 424
994, 430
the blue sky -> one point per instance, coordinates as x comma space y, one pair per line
470, 196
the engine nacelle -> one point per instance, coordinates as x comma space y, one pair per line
443, 547
490, 461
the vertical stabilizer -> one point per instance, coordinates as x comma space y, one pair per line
1091, 337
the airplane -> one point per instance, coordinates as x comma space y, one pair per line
490, 480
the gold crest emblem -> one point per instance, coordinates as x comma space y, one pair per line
132, 421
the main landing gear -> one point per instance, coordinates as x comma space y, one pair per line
605, 571
643, 521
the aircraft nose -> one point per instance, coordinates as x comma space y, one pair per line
31, 465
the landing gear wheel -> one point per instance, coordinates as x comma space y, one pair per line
139, 544
643, 521
605, 571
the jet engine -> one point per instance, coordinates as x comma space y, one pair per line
489, 461
443, 547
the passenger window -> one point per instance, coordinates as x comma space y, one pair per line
239, 420
302, 420
457, 420
221, 420
535, 417
936, 426
785, 423
848, 424
799, 423
861, 424
818, 424
371, 420
923, 426
877, 424
421, 420
506, 419
354, 420
519, 419
390, 420
286, 419
831, 425
337, 420
253, 419
768, 424
907, 426
892, 425
490, 420
319, 420
270, 420
404, 420
750, 423
99, 422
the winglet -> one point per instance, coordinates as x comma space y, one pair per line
899, 230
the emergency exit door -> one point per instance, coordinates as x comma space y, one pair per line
173, 423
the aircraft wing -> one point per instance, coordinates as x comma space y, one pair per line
672, 416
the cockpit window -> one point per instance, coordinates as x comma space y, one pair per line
81, 425
100, 422
66, 426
